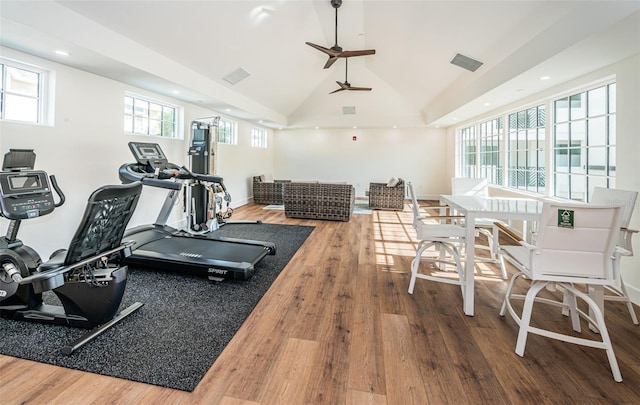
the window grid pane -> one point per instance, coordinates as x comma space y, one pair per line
490, 156
258, 138
20, 94
582, 149
227, 132
525, 146
148, 117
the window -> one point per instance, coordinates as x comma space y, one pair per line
148, 117
227, 132
584, 130
525, 149
490, 156
581, 148
468, 153
259, 138
22, 92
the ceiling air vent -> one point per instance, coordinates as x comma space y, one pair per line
348, 110
237, 75
466, 62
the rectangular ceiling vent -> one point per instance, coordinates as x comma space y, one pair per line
237, 75
348, 110
466, 62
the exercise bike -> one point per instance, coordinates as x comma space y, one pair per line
88, 278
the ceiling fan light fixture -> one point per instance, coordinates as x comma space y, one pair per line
466, 62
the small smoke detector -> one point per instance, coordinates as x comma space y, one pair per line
348, 110
237, 75
466, 62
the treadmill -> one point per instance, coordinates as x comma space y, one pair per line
161, 247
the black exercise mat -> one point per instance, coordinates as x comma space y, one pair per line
184, 325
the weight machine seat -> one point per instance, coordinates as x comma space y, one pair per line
105, 219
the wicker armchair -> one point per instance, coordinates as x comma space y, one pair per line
384, 197
268, 192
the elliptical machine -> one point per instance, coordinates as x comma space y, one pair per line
88, 278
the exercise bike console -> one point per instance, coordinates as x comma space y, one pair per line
25, 195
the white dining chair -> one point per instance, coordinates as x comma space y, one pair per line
485, 226
626, 198
576, 243
447, 239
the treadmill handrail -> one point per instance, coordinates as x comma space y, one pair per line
208, 178
148, 179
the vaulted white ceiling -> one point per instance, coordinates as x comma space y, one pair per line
189, 46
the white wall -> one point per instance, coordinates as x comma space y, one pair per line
87, 145
416, 155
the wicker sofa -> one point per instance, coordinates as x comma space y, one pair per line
387, 196
268, 192
315, 200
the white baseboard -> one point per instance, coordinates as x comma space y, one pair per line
634, 294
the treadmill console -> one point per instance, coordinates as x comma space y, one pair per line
25, 194
149, 154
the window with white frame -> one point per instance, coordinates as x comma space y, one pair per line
149, 117
227, 132
584, 142
525, 149
489, 155
468, 152
580, 148
259, 138
22, 92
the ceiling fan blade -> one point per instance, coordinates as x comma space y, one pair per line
348, 54
330, 61
328, 51
359, 88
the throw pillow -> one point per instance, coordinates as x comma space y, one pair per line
393, 182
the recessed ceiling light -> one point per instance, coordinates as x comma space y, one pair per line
317, 127
545, 78
176, 91
62, 52
227, 109
395, 126
261, 121
487, 104
354, 127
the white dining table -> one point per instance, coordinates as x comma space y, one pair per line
474, 207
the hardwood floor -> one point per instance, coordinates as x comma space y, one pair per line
338, 327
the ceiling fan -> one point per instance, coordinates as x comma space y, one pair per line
346, 85
336, 51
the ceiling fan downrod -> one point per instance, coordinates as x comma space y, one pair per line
336, 4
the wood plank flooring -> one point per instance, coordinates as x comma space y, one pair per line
338, 327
